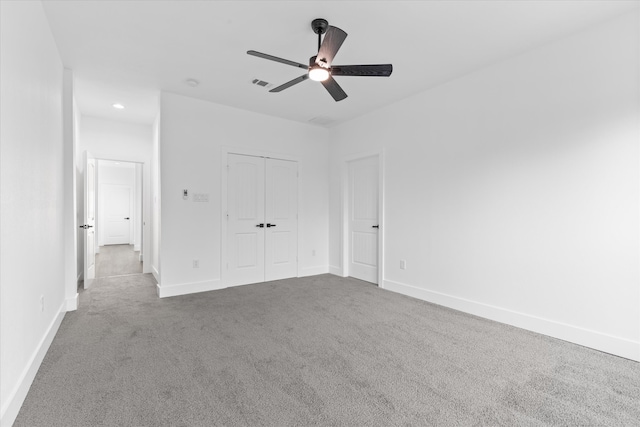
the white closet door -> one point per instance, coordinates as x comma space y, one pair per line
281, 217
245, 204
363, 219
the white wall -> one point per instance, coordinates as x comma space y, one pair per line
192, 134
69, 170
114, 140
32, 198
513, 192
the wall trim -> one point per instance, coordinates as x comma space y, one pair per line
618, 346
16, 397
188, 288
156, 274
313, 271
336, 271
72, 303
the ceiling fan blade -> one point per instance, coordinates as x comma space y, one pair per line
290, 83
333, 39
334, 89
379, 70
276, 59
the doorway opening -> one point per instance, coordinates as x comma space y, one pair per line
119, 224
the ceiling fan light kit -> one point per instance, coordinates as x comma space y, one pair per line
320, 66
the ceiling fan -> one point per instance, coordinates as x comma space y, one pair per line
320, 67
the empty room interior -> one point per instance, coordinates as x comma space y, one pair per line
206, 219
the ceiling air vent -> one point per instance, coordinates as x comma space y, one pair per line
261, 83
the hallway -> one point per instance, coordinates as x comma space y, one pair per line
117, 260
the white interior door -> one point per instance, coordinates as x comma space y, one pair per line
363, 219
281, 217
89, 219
116, 211
245, 219
262, 219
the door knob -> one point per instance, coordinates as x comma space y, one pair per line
260, 225
375, 226
271, 225
127, 218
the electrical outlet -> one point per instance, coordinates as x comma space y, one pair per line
403, 264
41, 302
196, 263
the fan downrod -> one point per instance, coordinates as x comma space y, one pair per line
319, 25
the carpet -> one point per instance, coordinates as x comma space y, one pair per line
319, 350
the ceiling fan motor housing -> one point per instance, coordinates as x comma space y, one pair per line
319, 26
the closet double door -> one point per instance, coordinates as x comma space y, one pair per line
262, 219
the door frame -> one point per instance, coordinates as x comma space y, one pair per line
225, 151
145, 236
345, 209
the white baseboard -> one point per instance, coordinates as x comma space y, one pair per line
336, 271
313, 271
136, 248
188, 288
155, 273
72, 303
597, 340
10, 410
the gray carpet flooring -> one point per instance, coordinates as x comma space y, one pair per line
320, 350
116, 260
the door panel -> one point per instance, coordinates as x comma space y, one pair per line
281, 252
116, 200
263, 192
89, 216
245, 204
363, 219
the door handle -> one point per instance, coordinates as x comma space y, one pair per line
127, 218
375, 226
86, 226
271, 225
260, 225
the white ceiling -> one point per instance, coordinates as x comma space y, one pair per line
129, 51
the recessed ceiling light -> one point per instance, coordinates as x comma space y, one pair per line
118, 106
192, 82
